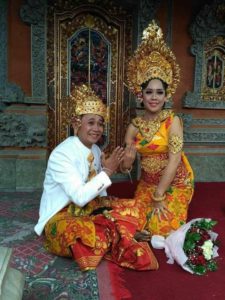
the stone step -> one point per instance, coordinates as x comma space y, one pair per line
11, 280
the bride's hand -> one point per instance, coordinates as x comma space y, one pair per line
159, 208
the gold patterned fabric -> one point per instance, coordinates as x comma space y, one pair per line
154, 150
88, 236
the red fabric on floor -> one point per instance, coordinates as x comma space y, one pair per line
171, 281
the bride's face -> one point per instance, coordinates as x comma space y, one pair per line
154, 96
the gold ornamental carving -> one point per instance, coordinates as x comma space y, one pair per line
213, 77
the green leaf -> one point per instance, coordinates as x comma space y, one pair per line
195, 236
188, 245
212, 265
200, 270
206, 224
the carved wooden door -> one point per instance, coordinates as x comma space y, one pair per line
88, 44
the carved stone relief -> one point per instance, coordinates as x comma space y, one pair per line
22, 131
205, 136
199, 131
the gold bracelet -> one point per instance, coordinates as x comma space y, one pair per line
159, 198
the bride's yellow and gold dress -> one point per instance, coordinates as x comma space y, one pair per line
152, 143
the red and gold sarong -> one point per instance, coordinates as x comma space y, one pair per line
90, 238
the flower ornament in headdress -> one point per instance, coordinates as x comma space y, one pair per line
153, 59
87, 102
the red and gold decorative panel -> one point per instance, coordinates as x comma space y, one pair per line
213, 80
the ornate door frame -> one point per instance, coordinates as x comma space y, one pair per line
115, 25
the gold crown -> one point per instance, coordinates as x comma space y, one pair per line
87, 102
153, 59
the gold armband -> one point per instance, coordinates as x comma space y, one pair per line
175, 143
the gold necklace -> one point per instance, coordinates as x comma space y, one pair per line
149, 128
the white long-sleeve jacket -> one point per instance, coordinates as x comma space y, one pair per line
66, 179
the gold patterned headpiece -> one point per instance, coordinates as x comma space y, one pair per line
87, 102
153, 59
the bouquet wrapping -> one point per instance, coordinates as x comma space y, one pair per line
193, 246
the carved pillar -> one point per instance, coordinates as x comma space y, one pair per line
34, 14
23, 123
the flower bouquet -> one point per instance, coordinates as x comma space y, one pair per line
193, 246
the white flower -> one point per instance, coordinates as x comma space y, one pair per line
207, 248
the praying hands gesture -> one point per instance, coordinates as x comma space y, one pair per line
111, 164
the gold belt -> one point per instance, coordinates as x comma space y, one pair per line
154, 163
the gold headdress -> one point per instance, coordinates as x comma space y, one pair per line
87, 102
153, 59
